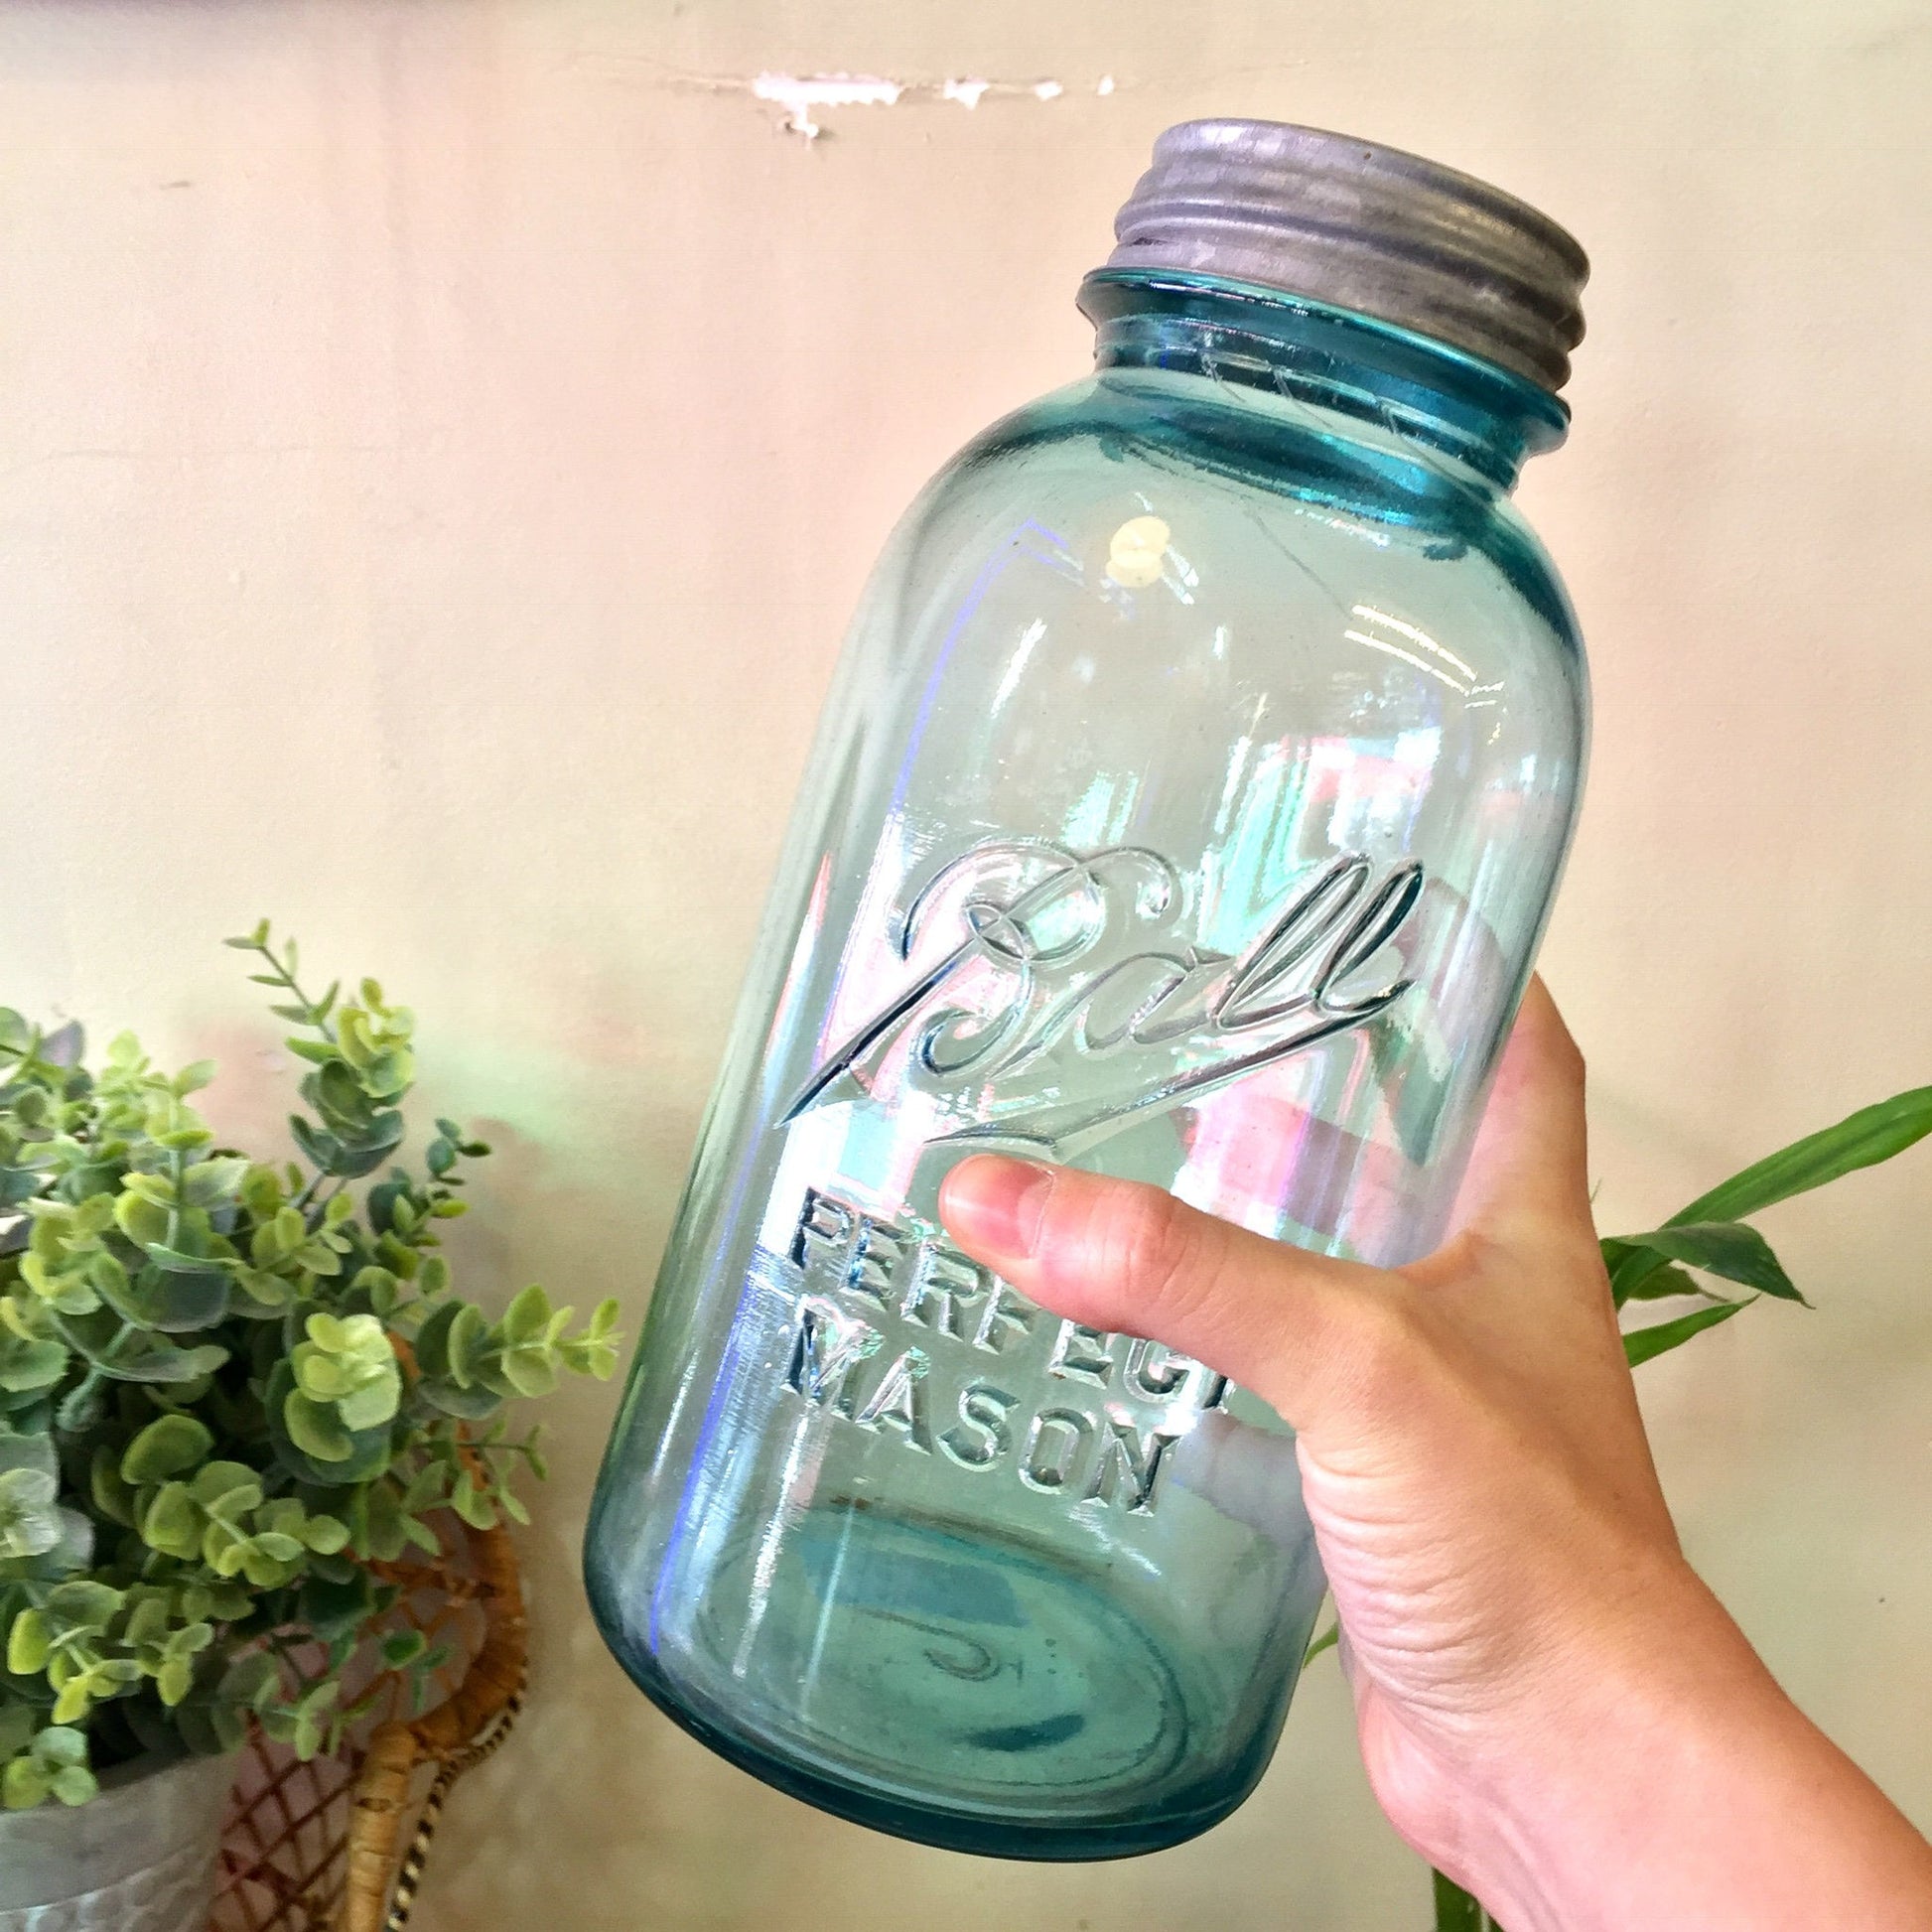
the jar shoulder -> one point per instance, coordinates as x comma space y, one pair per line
1273, 513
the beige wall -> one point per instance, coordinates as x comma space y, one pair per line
440, 443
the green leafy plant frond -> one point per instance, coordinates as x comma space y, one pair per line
1710, 1237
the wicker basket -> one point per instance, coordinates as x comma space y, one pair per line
337, 1845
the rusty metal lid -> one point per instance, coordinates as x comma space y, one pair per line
1365, 227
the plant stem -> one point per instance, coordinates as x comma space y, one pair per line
287, 979
313, 1209
1456, 1911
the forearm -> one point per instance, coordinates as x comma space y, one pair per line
1679, 1787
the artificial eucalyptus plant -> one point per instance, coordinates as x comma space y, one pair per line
1709, 1240
233, 1392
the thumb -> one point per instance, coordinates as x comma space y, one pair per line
1120, 1254
1529, 1166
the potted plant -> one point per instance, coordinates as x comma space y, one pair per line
234, 1393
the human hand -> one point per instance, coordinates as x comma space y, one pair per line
1541, 1681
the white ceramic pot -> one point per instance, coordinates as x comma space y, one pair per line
138, 1857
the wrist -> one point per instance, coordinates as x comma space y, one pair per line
1637, 1703
1673, 1782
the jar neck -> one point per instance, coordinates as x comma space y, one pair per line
1478, 415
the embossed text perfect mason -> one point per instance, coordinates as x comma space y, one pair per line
1187, 806
896, 1314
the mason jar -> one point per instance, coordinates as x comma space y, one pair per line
1187, 806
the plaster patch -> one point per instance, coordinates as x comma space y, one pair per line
799, 94
804, 96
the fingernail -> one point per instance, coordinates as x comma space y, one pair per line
995, 1204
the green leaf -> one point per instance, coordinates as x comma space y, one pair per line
385, 1535
111, 1497
1861, 1140
1651, 1284
369, 1451
173, 1262
154, 1359
471, 1504
527, 1314
466, 1342
18, 1185
322, 1151
29, 1365
226, 1486
369, 1406
147, 1621
420, 1534
382, 1199
269, 1293
172, 1524
210, 1184
472, 1400
143, 1221
529, 1372
1641, 1344
59, 1744
175, 1299
331, 1610
166, 1447
1728, 1249
248, 1679
316, 1429
402, 1647
1455, 1909
427, 1487
324, 1535
29, 1643
1328, 1640
339, 1098
87, 1601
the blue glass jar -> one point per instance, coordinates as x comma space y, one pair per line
1187, 806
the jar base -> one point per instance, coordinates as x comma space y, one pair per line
964, 1692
